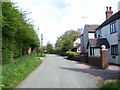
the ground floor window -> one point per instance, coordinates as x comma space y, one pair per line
114, 49
91, 51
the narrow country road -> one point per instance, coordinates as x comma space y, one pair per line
57, 72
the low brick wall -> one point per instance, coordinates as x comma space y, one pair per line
98, 61
84, 57
95, 60
77, 58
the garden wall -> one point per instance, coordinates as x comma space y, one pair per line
84, 57
95, 60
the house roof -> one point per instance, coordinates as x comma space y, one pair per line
91, 28
77, 46
109, 20
98, 42
81, 35
77, 40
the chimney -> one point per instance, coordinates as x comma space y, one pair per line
109, 12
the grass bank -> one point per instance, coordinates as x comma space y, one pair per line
41, 55
16, 71
111, 85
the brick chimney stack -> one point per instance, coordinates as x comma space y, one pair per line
109, 12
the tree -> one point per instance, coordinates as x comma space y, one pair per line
65, 41
49, 48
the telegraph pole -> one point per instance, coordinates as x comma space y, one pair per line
41, 43
37, 32
84, 19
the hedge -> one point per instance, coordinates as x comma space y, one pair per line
73, 55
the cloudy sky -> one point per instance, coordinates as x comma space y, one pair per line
54, 17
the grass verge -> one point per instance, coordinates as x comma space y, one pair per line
41, 55
16, 71
110, 85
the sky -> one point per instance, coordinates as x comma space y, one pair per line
54, 17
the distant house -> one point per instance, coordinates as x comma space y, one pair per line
88, 33
76, 45
109, 30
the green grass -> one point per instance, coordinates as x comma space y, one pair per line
16, 71
41, 55
111, 85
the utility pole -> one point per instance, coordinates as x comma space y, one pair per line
84, 19
38, 48
41, 43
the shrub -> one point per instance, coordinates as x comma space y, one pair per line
62, 53
72, 55
41, 55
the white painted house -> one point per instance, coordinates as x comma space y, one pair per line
109, 30
76, 45
88, 33
119, 35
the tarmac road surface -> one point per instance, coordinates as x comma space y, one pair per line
57, 72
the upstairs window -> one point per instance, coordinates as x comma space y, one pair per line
99, 33
113, 27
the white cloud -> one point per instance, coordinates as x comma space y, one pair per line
54, 17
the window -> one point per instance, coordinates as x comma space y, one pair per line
99, 33
91, 51
113, 28
114, 49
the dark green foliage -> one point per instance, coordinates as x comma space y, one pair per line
18, 34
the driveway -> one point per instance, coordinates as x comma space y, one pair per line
57, 72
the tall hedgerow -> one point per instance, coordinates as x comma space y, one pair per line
17, 33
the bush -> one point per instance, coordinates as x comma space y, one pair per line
62, 53
41, 55
13, 73
72, 55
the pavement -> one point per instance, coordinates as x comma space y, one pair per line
58, 72
111, 72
